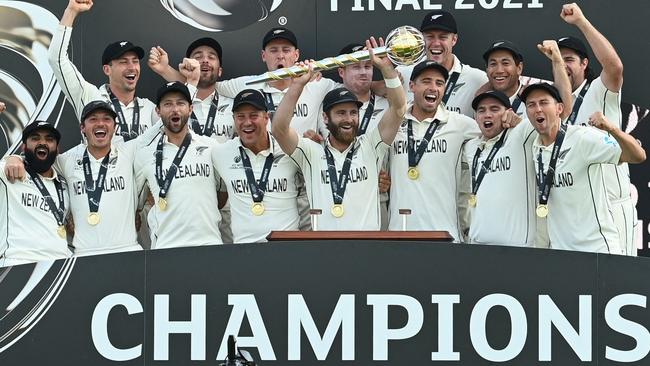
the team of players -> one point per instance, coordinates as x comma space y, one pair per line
215, 169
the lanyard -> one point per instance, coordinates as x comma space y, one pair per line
516, 103
57, 212
367, 115
545, 181
338, 184
94, 188
257, 189
270, 106
121, 120
208, 128
416, 153
577, 103
451, 83
164, 184
476, 181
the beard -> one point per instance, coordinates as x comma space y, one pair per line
206, 82
37, 164
169, 125
338, 134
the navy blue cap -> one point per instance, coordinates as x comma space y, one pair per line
541, 86
492, 94
40, 125
116, 49
338, 96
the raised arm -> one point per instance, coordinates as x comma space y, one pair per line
285, 135
561, 80
631, 150
612, 74
159, 62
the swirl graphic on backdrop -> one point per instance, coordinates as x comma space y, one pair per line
220, 15
27, 83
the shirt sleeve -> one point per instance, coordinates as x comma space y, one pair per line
598, 147
230, 88
72, 83
305, 153
375, 142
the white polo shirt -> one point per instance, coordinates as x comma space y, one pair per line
224, 128
381, 105
192, 215
361, 199
579, 217
80, 92
521, 109
305, 114
432, 197
117, 204
504, 213
28, 229
460, 100
281, 212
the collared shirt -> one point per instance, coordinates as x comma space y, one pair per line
432, 197
224, 128
579, 217
117, 204
28, 229
280, 197
361, 198
192, 216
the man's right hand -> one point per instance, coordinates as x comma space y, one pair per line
79, 6
191, 70
14, 168
158, 60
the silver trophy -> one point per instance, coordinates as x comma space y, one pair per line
404, 46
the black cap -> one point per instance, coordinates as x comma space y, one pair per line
250, 96
280, 33
425, 65
40, 125
206, 41
97, 105
439, 20
174, 86
351, 48
574, 44
541, 86
117, 49
338, 96
503, 45
492, 94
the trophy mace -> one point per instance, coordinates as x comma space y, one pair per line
404, 46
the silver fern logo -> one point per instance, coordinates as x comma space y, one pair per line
220, 15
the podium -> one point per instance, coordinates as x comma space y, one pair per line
428, 236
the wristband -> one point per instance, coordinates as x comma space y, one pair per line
393, 83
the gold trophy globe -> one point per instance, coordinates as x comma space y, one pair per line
404, 46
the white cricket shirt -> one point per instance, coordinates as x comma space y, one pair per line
224, 128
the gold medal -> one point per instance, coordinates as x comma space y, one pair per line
542, 210
413, 173
337, 210
93, 218
472, 200
61, 231
162, 204
257, 208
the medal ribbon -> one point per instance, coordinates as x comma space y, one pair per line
577, 103
415, 154
338, 184
164, 184
270, 106
451, 83
476, 181
95, 188
257, 189
208, 128
544, 182
121, 120
57, 212
367, 115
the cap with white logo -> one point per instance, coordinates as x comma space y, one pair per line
251, 97
338, 96
439, 20
116, 49
504, 45
280, 33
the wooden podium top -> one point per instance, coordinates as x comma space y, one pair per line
436, 236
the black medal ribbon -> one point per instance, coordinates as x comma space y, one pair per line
367, 115
95, 188
545, 181
516, 103
270, 106
165, 182
451, 84
257, 189
416, 153
208, 128
476, 181
57, 211
338, 183
577, 103
121, 120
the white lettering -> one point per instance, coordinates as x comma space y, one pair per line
445, 328
163, 327
478, 332
381, 334
629, 328
580, 341
99, 327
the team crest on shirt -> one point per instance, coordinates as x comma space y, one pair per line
376, 112
237, 159
457, 87
112, 161
222, 108
200, 150
563, 155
